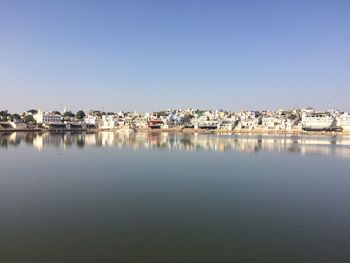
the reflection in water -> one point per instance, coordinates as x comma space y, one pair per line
324, 145
90, 197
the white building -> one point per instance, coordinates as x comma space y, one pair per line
108, 122
318, 121
93, 120
343, 121
47, 117
227, 125
248, 123
268, 122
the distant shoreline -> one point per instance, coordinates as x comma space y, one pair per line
192, 130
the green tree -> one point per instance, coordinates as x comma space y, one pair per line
15, 116
100, 113
28, 119
199, 112
68, 114
162, 113
80, 115
187, 117
3, 115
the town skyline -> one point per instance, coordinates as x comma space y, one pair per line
282, 120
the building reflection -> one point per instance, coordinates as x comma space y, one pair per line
321, 145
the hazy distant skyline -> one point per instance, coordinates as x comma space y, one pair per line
152, 55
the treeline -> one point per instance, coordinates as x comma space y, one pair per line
6, 116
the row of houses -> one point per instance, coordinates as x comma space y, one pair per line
307, 119
294, 120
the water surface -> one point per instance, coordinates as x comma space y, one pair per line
172, 197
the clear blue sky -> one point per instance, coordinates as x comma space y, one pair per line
148, 55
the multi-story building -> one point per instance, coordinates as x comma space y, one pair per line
47, 117
343, 121
93, 120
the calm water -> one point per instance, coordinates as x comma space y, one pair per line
159, 197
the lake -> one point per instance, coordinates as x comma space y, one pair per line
173, 197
